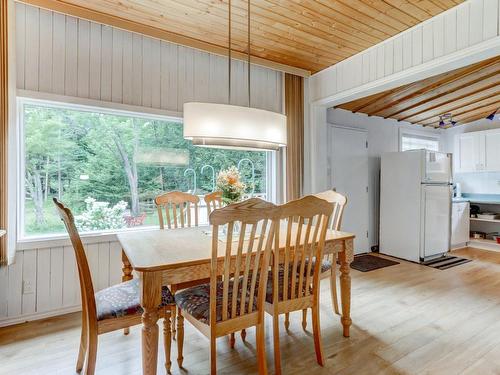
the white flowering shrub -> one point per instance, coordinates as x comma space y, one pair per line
99, 216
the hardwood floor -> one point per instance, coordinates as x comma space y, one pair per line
407, 319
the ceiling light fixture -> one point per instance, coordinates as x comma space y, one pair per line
491, 116
232, 126
446, 120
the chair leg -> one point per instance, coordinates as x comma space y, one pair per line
82, 351
232, 340
91, 354
213, 356
260, 340
167, 338
333, 287
276, 344
180, 337
243, 334
304, 319
287, 321
318, 345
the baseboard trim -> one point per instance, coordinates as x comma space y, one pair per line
9, 321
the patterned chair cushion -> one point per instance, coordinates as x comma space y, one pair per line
123, 299
326, 265
281, 276
196, 301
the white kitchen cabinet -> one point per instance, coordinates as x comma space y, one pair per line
492, 150
479, 151
460, 224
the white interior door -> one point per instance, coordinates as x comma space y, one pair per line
348, 170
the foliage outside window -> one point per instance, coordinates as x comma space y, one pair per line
109, 166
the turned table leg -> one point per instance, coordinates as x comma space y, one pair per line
127, 275
150, 290
345, 258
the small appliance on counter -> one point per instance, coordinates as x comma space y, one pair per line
457, 190
415, 204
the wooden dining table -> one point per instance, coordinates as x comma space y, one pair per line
165, 257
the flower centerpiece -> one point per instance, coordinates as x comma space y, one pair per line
230, 184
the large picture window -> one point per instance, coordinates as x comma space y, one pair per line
108, 166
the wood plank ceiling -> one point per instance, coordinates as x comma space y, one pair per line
468, 94
306, 34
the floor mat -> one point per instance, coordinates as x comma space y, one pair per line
446, 261
366, 263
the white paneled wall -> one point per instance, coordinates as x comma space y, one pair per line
44, 281
466, 25
63, 55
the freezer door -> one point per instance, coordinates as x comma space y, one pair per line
437, 167
436, 220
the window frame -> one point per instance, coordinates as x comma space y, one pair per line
419, 135
23, 98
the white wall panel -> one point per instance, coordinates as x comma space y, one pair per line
468, 25
63, 55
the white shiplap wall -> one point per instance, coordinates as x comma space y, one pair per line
62, 55
471, 24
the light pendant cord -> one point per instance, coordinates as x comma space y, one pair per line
229, 62
248, 22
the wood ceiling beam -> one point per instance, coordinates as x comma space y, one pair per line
455, 105
121, 23
449, 97
476, 116
464, 109
385, 105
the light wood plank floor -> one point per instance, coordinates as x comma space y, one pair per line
408, 319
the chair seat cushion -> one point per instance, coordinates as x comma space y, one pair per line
124, 299
281, 282
196, 301
326, 265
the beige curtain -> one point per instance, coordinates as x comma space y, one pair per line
4, 121
294, 110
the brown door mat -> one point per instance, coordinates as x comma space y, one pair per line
367, 262
445, 262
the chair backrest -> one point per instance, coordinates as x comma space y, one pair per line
246, 257
338, 201
177, 207
86, 286
213, 201
306, 222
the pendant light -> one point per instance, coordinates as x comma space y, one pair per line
232, 126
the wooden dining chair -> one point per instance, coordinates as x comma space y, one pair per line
234, 298
181, 210
329, 263
295, 276
213, 201
110, 309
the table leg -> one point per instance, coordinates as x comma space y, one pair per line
345, 258
150, 289
127, 275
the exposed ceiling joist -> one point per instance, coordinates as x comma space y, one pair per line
467, 93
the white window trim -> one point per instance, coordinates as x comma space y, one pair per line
16, 185
418, 134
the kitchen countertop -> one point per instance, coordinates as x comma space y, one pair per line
479, 198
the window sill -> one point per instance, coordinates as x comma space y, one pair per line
59, 240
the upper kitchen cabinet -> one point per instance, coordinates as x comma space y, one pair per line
479, 151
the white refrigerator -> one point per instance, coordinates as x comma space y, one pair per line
415, 204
